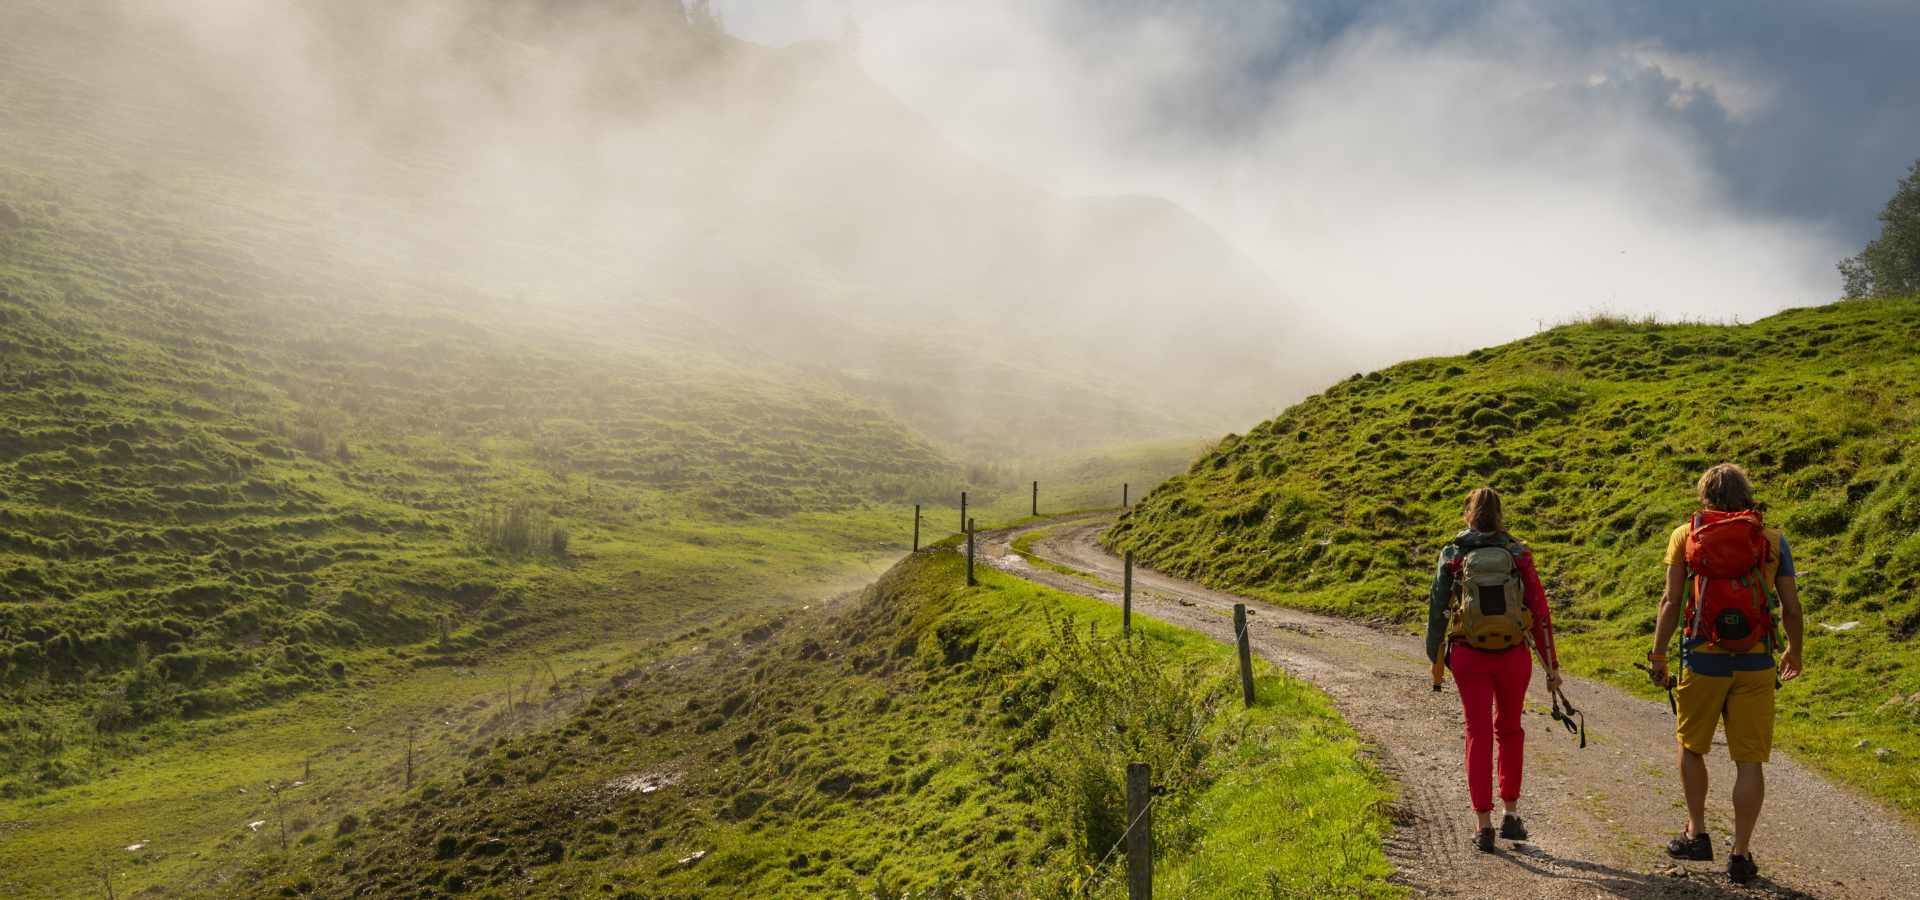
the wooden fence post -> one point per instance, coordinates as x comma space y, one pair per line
1123, 495
1036, 498
1126, 598
279, 812
963, 510
1246, 652
916, 528
970, 581
1139, 832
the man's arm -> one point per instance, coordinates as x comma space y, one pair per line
1795, 624
1671, 602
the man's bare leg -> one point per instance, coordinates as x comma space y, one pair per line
1693, 777
1749, 792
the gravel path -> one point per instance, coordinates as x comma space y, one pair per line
1600, 817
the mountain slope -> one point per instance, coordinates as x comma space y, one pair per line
619, 163
211, 478
1595, 433
345, 382
930, 739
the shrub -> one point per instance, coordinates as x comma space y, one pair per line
1112, 702
112, 712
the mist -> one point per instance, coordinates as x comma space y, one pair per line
632, 170
1040, 224
1417, 178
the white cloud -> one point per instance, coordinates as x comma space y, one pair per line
1422, 192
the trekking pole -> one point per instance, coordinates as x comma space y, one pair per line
1567, 715
1671, 706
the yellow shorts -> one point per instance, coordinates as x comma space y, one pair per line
1744, 699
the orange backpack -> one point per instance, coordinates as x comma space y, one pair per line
1731, 602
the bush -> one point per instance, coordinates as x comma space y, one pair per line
516, 528
112, 712
1112, 702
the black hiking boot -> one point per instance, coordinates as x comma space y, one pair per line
1741, 868
1512, 829
1696, 847
1483, 840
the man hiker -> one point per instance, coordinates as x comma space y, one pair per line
1727, 574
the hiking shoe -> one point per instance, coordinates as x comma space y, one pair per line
1697, 847
1483, 840
1741, 868
1512, 828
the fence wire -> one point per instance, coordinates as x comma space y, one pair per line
1100, 870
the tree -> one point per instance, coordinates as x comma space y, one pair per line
1890, 264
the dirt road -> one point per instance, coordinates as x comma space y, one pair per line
1599, 817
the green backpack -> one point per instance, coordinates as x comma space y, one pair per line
1489, 600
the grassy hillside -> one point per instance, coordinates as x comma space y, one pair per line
336, 398
1595, 433
256, 508
931, 738
211, 480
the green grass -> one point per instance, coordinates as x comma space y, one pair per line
180, 787
285, 470
214, 497
234, 518
1595, 433
914, 742
249, 497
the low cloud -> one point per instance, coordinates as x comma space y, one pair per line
1418, 177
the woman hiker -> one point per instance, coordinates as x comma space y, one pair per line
1486, 608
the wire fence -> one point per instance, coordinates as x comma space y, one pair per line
1100, 870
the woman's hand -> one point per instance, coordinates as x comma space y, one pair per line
1553, 679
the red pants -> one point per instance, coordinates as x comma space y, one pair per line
1493, 688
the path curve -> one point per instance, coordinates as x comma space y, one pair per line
1600, 817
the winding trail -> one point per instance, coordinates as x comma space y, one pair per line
1600, 817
